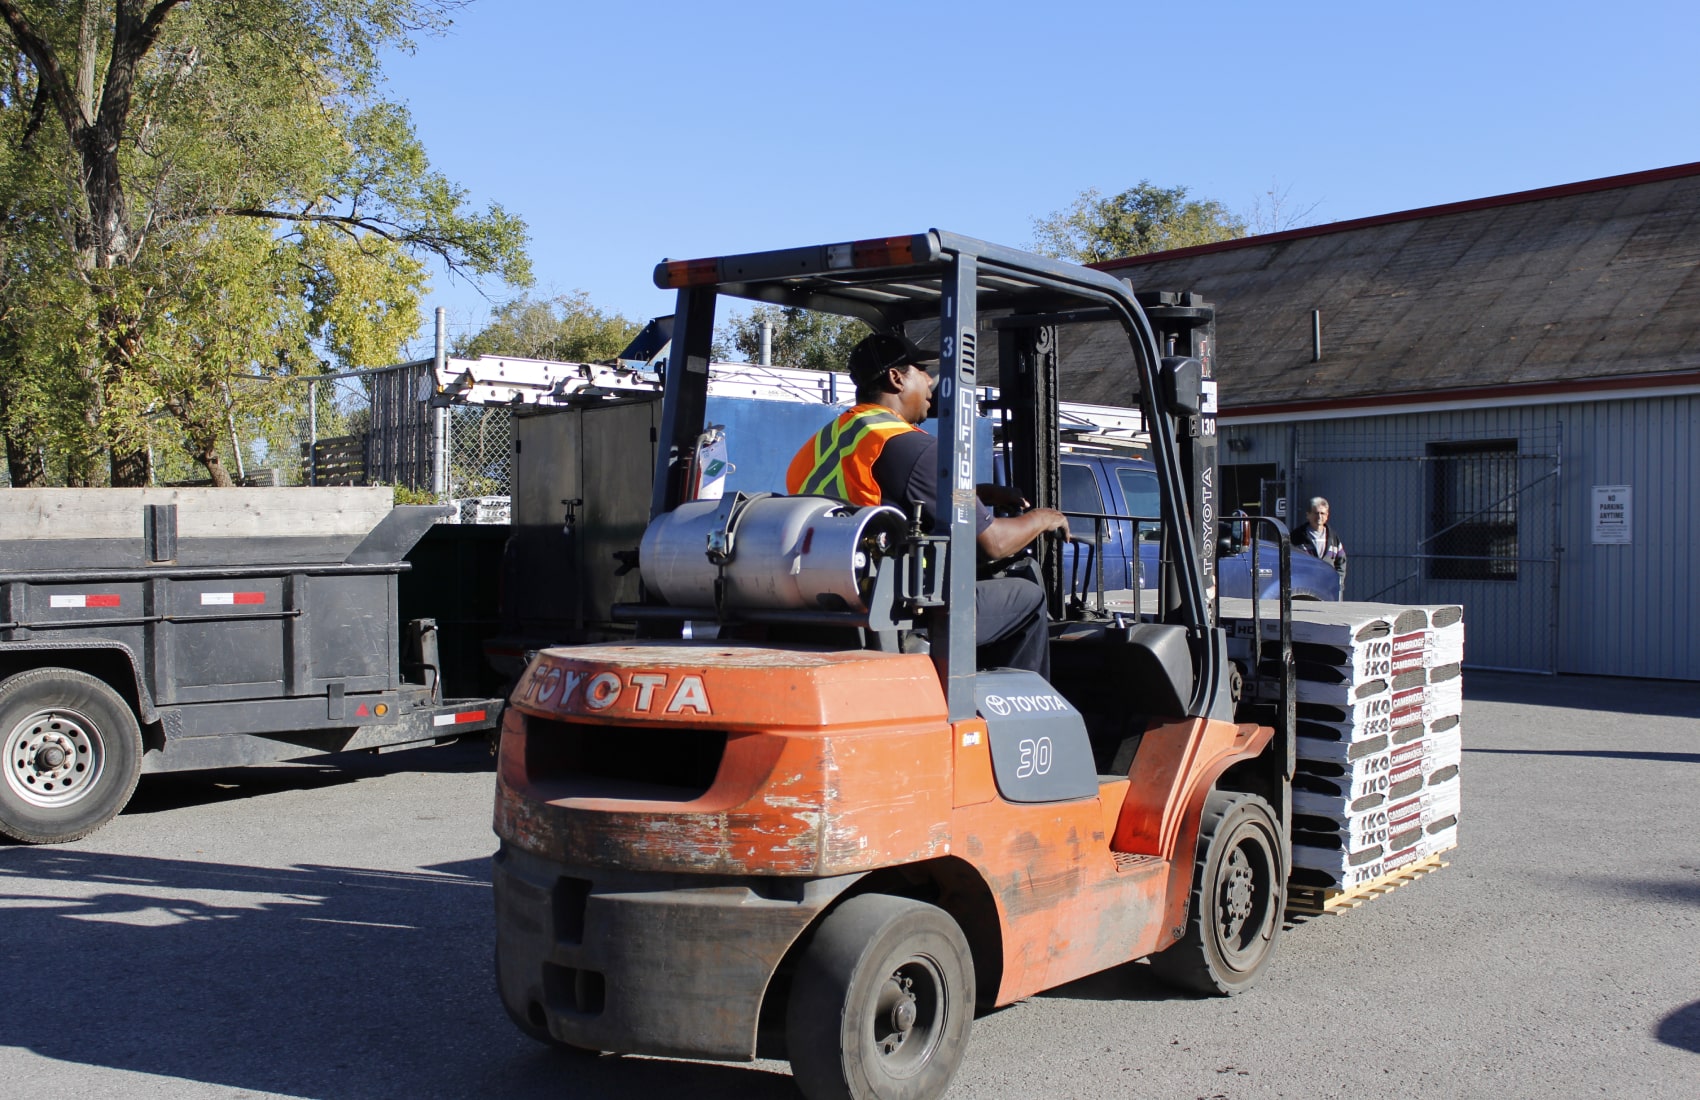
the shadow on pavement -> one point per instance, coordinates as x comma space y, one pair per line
1681, 1029
323, 981
1603, 754
1132, 981
1672, 698
1681, 891
174, 790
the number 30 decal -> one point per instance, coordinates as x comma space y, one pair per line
1035, 757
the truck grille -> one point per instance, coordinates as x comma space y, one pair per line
627, 762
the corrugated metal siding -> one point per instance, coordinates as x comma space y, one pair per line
1633, 610
1619, 610
1381, 476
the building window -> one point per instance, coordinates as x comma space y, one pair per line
1473, 518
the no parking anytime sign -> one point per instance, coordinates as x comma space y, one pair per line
1613, 515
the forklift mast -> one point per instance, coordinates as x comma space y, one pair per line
1186, 329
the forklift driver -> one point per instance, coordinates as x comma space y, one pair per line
876, 454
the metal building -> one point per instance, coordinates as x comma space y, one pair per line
1499, 398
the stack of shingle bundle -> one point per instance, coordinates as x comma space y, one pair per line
1426, 738
1378, 746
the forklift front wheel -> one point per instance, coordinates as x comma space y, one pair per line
1239, 889
882, 1002
73, 752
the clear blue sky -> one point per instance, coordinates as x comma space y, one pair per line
627, 132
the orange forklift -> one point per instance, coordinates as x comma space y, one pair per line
791, 817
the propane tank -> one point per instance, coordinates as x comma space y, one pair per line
768, 553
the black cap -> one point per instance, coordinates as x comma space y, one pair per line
879, 353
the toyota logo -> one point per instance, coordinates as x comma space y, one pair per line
998, 705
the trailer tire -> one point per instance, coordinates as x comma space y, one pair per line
1237, 903
72, 755
882, 1002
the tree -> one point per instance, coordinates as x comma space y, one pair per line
801, 338
232, 201
1134, 222
567, 328
1274, 211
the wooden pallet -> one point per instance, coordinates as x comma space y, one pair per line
1304, 902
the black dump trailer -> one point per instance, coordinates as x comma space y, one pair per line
146, 630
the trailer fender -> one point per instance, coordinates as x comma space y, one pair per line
113, 662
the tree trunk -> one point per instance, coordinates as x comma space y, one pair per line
203, 444
130, 465
24, 465
209, 458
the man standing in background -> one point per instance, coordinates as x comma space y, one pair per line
1316, 538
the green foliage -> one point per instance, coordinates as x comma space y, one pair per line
1137, 221
801, 338
566, 328
406, 495
261, 215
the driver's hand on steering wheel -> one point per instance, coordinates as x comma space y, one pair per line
1053, 520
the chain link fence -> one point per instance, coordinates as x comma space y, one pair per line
458, 454
367, 427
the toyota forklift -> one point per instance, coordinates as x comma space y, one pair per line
792, 817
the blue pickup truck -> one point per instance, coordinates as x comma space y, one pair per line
762, 435
1124, 485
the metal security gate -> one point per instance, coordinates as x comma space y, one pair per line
1433, 517
394, 441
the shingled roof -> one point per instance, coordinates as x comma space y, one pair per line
1588, 285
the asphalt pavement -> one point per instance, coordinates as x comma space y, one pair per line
317, 931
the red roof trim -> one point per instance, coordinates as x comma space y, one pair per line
1480, 393
1607, 183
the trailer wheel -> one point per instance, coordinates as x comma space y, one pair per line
1239, 891
882, 1002
72, 751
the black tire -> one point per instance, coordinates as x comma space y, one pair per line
1239, 894
72, 752
882, 1002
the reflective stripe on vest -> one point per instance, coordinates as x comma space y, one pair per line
839, 460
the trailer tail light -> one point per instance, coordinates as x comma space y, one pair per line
683, 273
883, 252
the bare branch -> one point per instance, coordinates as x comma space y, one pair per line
49, 73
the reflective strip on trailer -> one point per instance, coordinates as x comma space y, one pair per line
228, 598
85, 599
457, 719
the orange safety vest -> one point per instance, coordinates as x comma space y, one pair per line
839, 460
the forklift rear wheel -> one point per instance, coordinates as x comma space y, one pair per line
882, 1002
73, 752
1239, 889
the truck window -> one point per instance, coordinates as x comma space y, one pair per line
1080, 493
1139, 491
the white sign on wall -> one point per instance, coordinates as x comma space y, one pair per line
1613, 515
